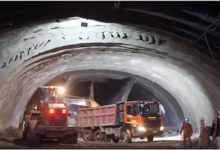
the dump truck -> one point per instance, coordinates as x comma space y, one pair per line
49, 120
121, 121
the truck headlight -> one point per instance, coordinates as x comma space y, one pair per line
140, 128
161, 128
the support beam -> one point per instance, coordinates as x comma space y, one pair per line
91, 93
125, 91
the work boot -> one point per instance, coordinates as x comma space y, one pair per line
189, 145
184, 145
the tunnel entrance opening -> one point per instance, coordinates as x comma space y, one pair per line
139, 93
107, 86
142, 92
81, 89
105, 93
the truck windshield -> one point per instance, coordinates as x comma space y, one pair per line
149, 108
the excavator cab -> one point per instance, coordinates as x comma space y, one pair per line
47, 93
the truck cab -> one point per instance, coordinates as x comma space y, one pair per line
143, 118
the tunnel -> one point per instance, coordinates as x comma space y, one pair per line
130, 51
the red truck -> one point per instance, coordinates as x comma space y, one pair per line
127, 120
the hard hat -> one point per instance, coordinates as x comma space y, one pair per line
187, 120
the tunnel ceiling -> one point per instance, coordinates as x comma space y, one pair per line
148, 41
185, 20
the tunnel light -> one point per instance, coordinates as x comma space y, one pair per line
35, 107
77, 22
61, 90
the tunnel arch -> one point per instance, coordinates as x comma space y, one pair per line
173, 116
170, 63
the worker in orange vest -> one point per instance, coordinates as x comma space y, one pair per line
216, 130
187, 132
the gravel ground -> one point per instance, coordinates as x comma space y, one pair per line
159, 143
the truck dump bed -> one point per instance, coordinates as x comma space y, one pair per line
98, 116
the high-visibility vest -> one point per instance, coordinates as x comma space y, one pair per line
187, 129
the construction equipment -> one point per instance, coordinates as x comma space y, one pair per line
43, 93
49, 120
74, 103
123, 120
80, 101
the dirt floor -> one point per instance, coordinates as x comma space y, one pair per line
158, 143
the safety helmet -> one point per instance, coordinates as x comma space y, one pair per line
187, 120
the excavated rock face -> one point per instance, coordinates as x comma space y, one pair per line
185, 82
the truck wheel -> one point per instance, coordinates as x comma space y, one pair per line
98, 136
150, 138
88, 135
71, 139
126, 133
115, 140
33, 139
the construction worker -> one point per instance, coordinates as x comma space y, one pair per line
182, 124
187, 132
216, 130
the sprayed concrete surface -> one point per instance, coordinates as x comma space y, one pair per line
32, 56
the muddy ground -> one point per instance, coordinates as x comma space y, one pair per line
158, 143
